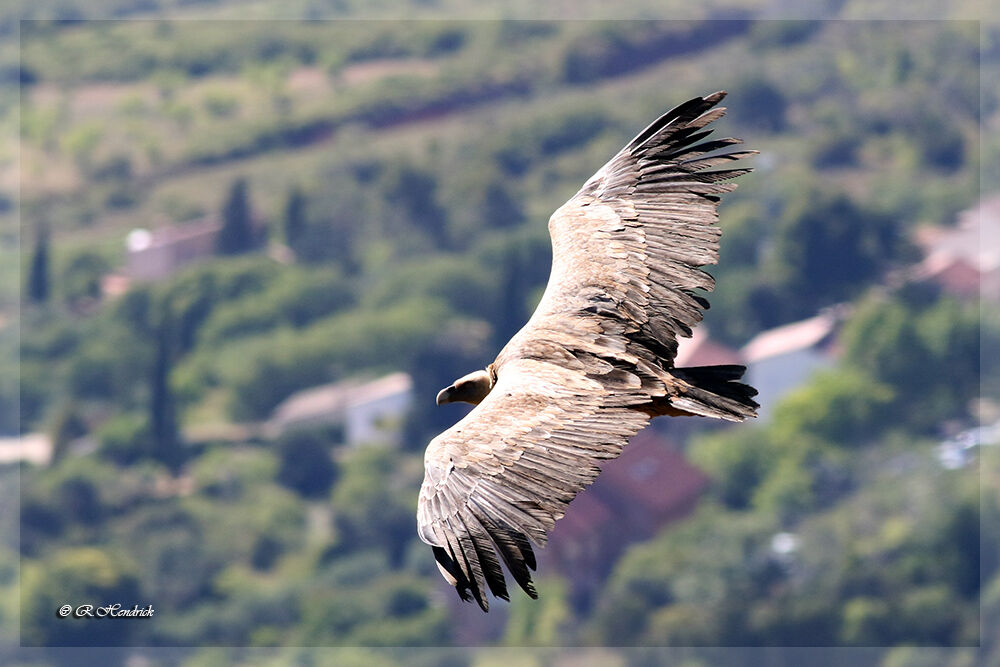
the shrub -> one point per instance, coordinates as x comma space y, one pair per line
306, 466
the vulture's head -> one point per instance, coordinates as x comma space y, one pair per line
471, 388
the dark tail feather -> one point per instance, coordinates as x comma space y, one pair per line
454, 575
715, 391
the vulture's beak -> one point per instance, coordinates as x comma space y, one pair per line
444, 396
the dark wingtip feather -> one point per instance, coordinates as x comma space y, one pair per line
687, 110
457, 578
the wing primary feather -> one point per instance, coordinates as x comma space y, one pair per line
449, 565
515, 551
687, 110
486, 555
470, 562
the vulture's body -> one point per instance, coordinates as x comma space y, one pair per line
595, 361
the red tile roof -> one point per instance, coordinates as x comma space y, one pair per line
587, 515
653, 475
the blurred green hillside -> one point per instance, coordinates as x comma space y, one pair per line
385, 186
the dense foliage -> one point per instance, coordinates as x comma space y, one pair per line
382, 188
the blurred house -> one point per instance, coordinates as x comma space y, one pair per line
783, 358
114, 285
645, 489
650, 485
960, 450
954, 275
367, 411
964, 260
33, 448
153, 255
701, 350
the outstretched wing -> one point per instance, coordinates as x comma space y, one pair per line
594, 361
631, 242
499, 479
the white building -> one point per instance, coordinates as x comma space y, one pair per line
152, 255
782, 359
368, 411
31, 447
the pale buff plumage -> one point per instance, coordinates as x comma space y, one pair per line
595, 361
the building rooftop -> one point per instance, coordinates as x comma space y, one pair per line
652, 473
796, 336
142, 239
955, 274
337, 397
701, 350
974, 239
586, 515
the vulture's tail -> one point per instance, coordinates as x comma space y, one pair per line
713, 391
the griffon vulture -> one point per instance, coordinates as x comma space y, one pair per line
594, 362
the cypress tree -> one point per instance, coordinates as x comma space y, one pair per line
38, 274
236, 235
501, 209
295, 217
513, 296
163, 412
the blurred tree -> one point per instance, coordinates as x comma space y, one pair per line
295, 220
775, 34
189, 301
411, 192
514, 287
125, 438
500, 208
38, 272
67, 425
928, 353
672, 570
133, 310
306, 465
867, 620
332, 238
166, 440
737, 461
91, 373
540, 622
371, 509
844, 406
827, 249
787, 491
941, 141
959, 541
231, 474
334, 231
237, 233
79, 501
762, 105
837, 150
28, 392
296, 298
81, 278
82, 575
